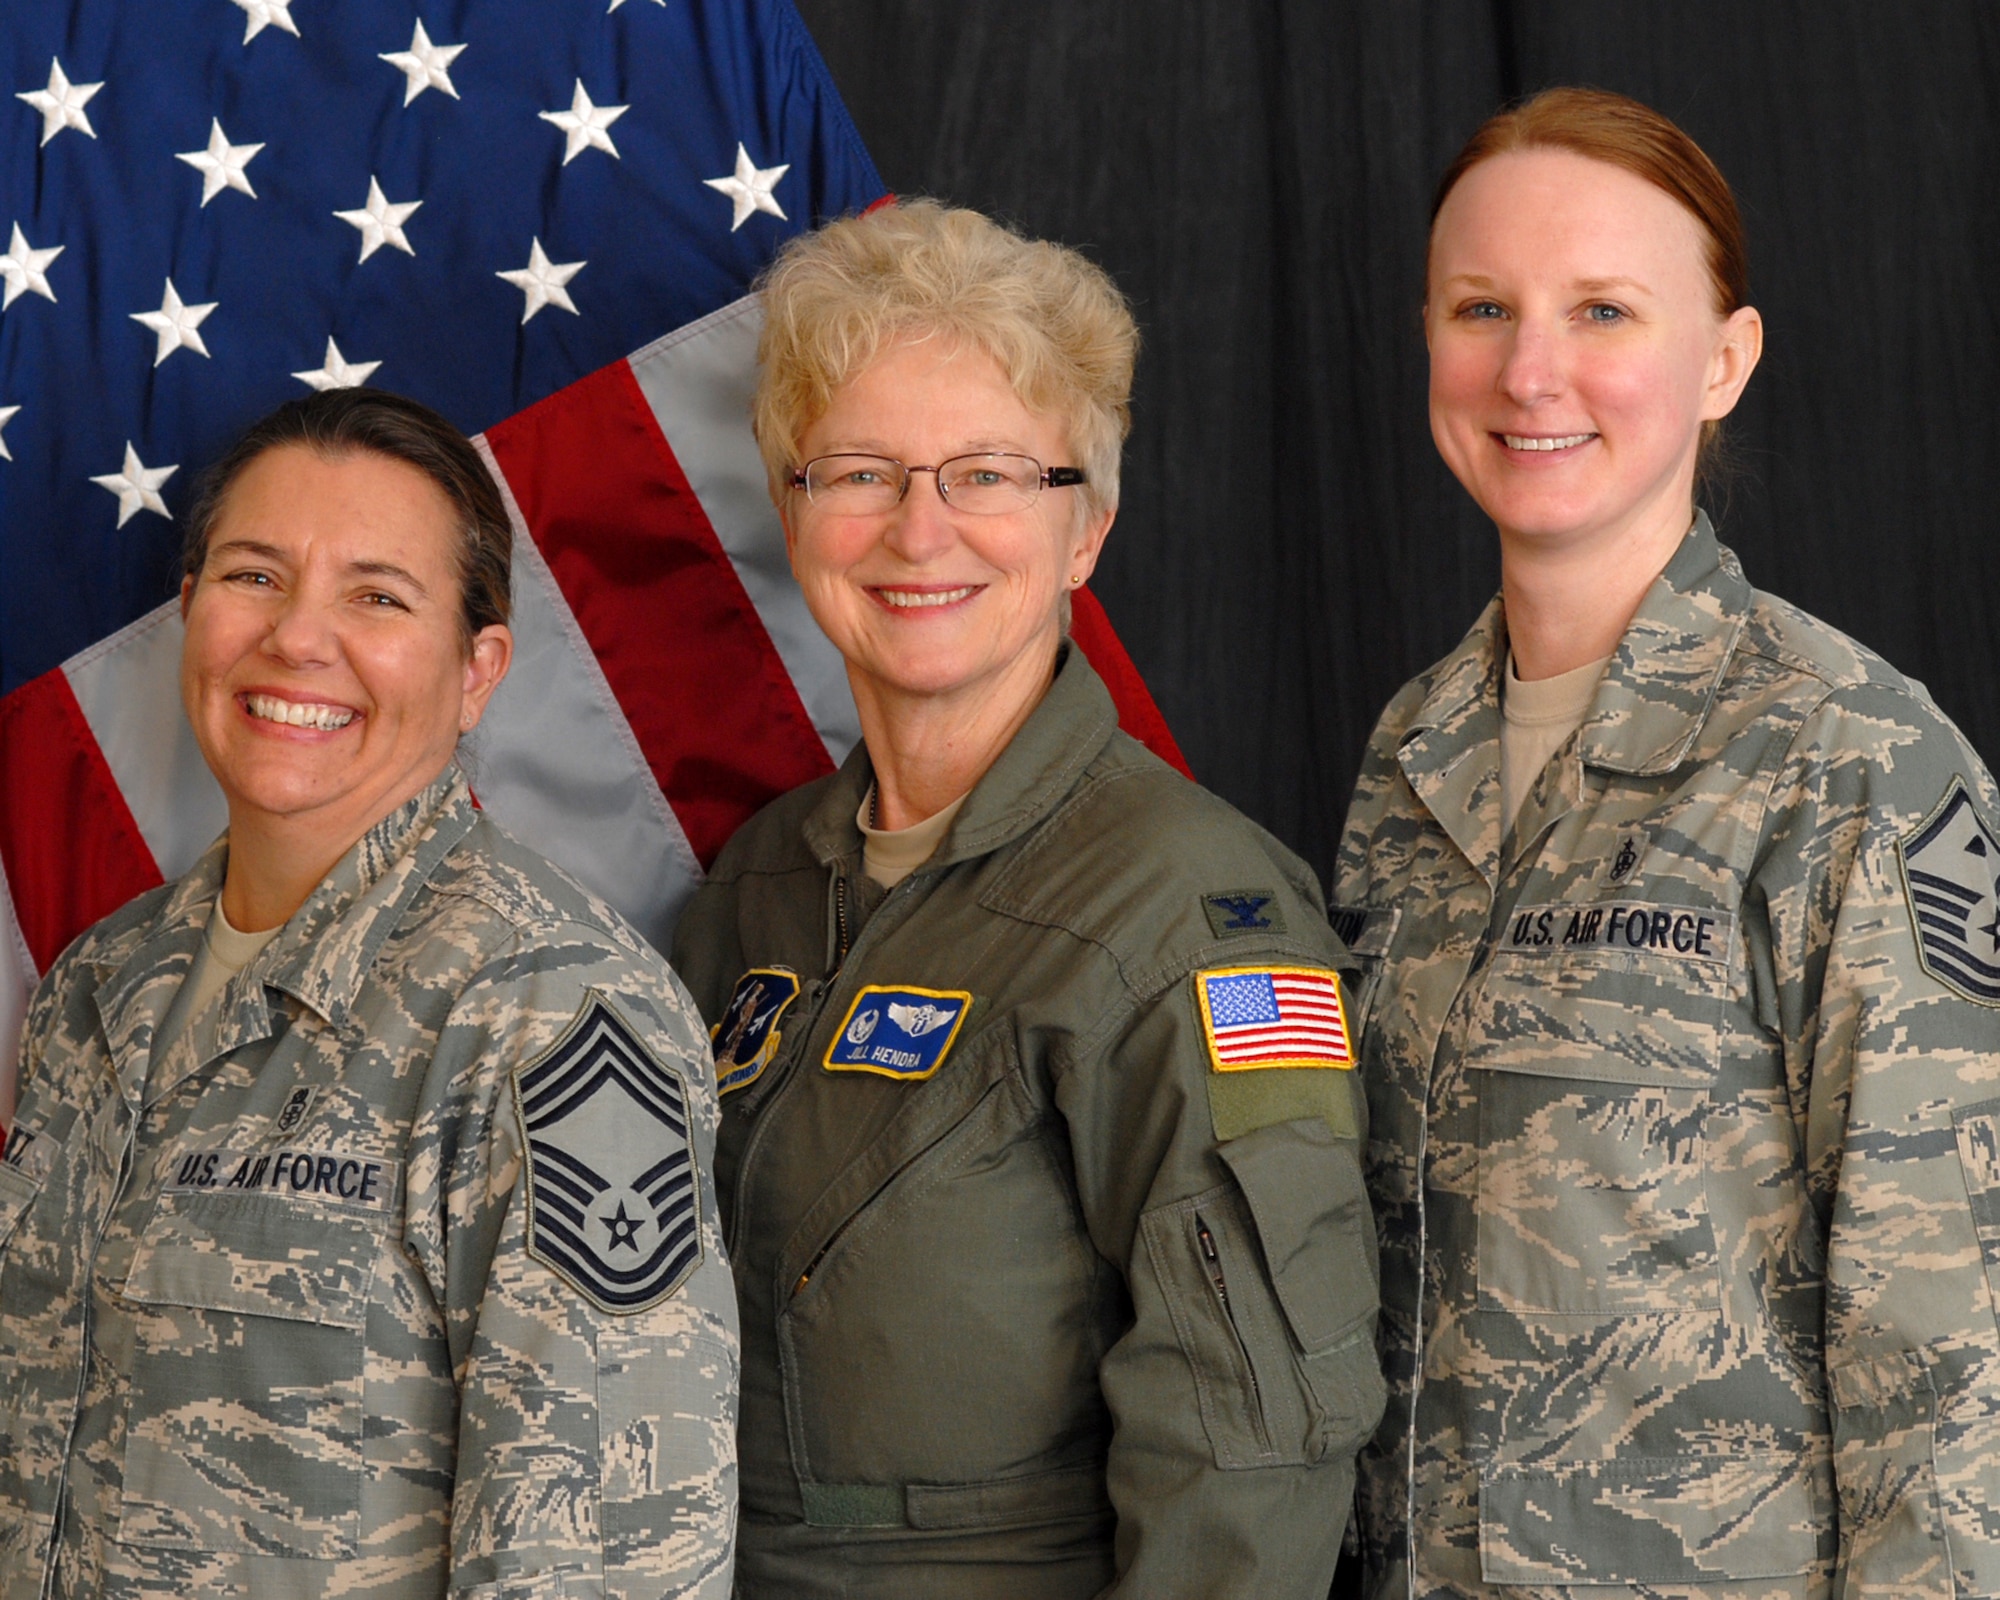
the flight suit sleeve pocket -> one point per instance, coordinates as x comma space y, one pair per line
1270, 1281
1309, 1207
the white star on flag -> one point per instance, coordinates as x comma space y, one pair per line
264, 14
615, 4
175, 322
26, 270
380, 222
750, 187
585, 123
137, 487
424, 64
61, 103
542, 280
338, 372
7, 415
221, 164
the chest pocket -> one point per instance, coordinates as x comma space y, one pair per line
1593, 1071
245, 1422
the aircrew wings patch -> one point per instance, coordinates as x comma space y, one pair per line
747, 1036
613, 1206
1255, 1017
899, 1033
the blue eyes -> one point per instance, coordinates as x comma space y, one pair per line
1604, 315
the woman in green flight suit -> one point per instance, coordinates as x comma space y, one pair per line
1039, 1160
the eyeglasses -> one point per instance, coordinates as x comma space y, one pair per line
984, 485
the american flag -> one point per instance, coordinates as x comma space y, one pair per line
541, 217
1274, 1017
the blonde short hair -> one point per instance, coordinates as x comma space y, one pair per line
1056, 325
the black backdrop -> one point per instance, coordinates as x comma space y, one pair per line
1256, 174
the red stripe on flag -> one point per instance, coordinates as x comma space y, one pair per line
72, 850
681, 644
1137, 714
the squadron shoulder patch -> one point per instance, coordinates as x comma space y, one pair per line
900, 1033
1255, 1017
613, 1208
1951, 873
747, 1036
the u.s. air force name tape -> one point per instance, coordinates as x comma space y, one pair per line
899, 1033
614, 1209
746, 1038
326, 1177
1686, 933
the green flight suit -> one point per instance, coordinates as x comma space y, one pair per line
293, 1308
1685, 1135
1075, 1313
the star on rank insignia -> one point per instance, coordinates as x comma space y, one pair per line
747, 1036
613, 1209
1951, 872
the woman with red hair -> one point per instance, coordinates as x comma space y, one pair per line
1680, 914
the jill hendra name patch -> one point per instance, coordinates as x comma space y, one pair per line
612, 1205
899, 1033
1687, 933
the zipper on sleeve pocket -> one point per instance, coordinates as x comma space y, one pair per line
1211, 1260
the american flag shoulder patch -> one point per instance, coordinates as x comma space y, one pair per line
1254, 1017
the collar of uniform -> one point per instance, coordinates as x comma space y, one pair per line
1062, 736
1663, 679
330, 942
143, 974
1451, 751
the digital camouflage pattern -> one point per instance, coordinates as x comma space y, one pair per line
1684, 1162
268, 1322
1035, 1304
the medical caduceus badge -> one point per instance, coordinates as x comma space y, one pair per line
613, 1209
1951, 869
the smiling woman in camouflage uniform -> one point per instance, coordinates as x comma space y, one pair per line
1039, 1148
1681, 1007
356, 1231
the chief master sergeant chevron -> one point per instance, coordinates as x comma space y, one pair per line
373, 1253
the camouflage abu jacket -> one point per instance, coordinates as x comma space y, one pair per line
397, 1276
1685, 1132
1041, 1297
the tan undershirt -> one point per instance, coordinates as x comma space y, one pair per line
225, 952
889, 855
1537, 720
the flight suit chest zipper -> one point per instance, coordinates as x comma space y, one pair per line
817, 998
